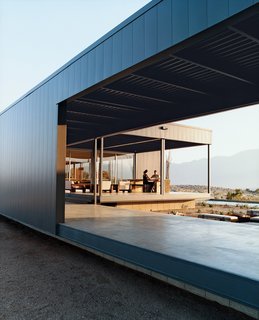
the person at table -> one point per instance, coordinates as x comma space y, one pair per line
147, 182
155, 178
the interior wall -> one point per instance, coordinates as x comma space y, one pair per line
149, 161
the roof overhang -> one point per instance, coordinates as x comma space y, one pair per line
213, 71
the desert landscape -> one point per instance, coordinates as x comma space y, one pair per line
242, 209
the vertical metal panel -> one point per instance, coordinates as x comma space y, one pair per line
238, 5
217, 11
151, 32
117, 52
164, 30
127, 46
58, 81
198, 19
63, 83
107, 68
84, 71
65, 80
77, 84
71, 79
27, 168
91, 67
180, 20
53, 90
138, 39
99, 62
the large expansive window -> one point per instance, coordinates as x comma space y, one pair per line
115, 168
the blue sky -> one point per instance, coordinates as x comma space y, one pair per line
39, 36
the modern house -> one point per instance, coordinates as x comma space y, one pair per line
171, 60
144, 148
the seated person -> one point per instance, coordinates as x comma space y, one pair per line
155, 178
148, 184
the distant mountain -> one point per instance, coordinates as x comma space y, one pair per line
238, 171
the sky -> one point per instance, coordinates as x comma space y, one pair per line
39, 36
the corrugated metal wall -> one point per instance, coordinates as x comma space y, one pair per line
28, 160
28, 130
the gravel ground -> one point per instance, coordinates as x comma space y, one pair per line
43, 278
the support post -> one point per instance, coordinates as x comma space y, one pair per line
116, 168
69, 167
74, 168
162, 167
61, 164
134, 166
101, 169
94, 169
209, 168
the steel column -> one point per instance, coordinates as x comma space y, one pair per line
61, 163
69, 167
134, 166
208, 168
101, 169
94, 168
116, 168
162, 167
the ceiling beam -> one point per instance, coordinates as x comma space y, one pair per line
80, 124
137, 95
244, 34
213, 68
108, 106
169, 84
82, 114
130, 143
122, 107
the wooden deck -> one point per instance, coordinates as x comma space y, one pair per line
142, 197
142, 201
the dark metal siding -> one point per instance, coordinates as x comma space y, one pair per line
27, 162
28, 129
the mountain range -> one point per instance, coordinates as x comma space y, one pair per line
238, 171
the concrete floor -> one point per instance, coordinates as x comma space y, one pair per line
43, 278
220, 245
213, 259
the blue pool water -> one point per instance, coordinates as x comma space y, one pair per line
234, 203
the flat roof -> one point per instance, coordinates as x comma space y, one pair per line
212, 71
144, 140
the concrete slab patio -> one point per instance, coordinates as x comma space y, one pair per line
211, 258
48, 279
